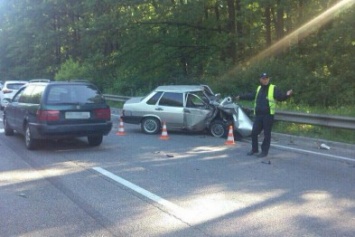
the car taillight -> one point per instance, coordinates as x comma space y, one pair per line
103, 113
6, 91
48, 115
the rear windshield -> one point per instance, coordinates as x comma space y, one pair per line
15, 86
73, 94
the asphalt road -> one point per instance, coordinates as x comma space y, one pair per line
188, 185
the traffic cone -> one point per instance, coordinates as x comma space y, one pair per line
230, 139
164, 134
121, 131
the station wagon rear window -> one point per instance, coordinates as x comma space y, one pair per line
73, 94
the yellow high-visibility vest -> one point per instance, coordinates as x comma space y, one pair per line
270, 98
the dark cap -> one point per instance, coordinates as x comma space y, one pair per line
264, 75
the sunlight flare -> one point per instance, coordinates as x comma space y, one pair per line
301, 33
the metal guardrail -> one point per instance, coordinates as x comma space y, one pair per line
287, 116
117, 98
316, 119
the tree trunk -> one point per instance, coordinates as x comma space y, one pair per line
280, 21
240, 52
268, 25
231, 29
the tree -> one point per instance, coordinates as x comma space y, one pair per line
131, 46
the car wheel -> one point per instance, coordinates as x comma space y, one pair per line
94, 140
218, 129
151, 125
8, 131
30, 142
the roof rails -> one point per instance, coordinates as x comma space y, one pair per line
39, 80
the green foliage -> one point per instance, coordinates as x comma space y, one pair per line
129, 47
318, 132
71, 70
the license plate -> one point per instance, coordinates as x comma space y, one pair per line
77, 115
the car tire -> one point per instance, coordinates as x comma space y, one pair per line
30, 142
95, 140
151, 125
218, 129
7, 130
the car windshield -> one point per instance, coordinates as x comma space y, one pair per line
73, 94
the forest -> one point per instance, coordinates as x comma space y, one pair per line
128, 47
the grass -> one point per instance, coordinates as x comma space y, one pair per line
319, 132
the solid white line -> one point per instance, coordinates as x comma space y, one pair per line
138, 189
214, 209
2, 130
314, 153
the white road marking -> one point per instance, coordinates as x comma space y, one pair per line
138, 189
315, 153
206, 208
1, 130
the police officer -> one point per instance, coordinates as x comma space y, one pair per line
265, 98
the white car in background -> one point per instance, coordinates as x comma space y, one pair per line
8, 90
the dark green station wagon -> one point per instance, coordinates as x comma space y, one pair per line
58, 110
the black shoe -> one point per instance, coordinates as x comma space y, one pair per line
250, 153
261, 155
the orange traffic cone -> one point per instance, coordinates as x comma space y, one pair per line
164, 134
230, 139
121, 131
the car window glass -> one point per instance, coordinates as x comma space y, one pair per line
15, 86
202, 96
80, 93
155, 98
26, 94
17, 96
171, 99
194, 101
36, 94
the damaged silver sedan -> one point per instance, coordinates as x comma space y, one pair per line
189, 108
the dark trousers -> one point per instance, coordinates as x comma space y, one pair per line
262, 122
